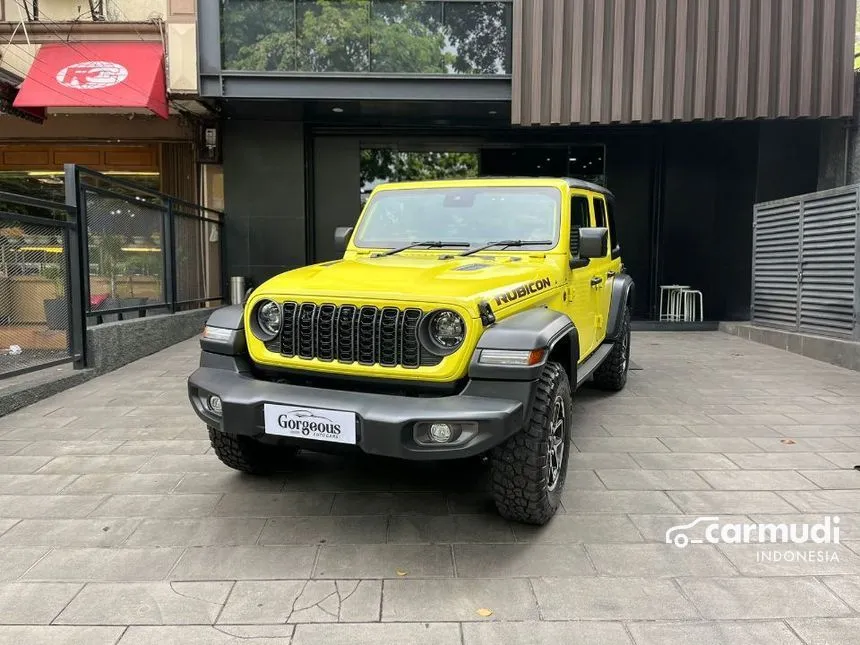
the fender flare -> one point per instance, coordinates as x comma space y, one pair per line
540, 328
230, 317
623, 291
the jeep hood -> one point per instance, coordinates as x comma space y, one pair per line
425, 277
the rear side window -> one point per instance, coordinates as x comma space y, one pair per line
579, 218
610, 215
600, 218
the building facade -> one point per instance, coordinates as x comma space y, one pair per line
109, 84
690, 111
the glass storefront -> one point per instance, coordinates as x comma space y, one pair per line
368, 36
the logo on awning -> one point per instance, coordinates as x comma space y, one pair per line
92, 75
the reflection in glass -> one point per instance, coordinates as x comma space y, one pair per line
367, 36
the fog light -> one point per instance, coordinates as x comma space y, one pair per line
215, 404
441, 432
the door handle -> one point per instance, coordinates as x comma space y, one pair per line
596, 280
610, 274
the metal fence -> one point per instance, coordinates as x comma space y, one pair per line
113, 251
806, 259
146, 252
38, 241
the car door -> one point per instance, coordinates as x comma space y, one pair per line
602, 272
580, 295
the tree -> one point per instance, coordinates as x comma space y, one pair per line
379, 36
381, 164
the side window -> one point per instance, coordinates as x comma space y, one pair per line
610, 214
579, 218
600, 219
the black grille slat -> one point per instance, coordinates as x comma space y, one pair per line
288, 330
307, 314
353, 334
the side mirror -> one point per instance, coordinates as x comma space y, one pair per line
593, 242
341, 237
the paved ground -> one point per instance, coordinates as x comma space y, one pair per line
118, 525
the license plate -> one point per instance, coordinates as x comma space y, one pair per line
300, 422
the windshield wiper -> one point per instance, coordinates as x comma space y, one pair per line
505, 243
433, 244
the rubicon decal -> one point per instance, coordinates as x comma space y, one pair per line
523, 290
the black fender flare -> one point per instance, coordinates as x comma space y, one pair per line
623, 290
540, 328
230, 317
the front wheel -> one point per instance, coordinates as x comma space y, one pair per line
528, 470
248, 455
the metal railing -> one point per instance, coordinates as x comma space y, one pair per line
146, 252
38, 285
113, 251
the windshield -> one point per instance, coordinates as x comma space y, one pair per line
473, 216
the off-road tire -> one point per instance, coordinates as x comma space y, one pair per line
612, 373
247, 455
520, 468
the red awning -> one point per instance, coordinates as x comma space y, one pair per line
90, 74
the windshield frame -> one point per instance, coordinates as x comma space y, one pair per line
554, 192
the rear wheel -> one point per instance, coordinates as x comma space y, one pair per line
612, 373
248, 455
528, 470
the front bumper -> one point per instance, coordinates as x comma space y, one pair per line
385, 423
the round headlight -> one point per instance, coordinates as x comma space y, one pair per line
447, 329
269, 317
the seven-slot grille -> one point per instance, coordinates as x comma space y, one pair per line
368, 335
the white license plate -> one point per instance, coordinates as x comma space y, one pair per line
301, 422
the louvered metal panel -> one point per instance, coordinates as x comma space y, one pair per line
629, 61
828, 264
775, 264
806, 254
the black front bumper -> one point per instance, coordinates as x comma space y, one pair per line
489, 411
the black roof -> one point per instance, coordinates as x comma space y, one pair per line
573, 183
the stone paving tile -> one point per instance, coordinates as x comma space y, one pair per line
713, 633
60, 533
751, 598
824, 501
42, 433
654, 527
520, 560
683, 461
56, 506
827, 631
846, 587
54, 448
229, 482
244, 562
752, 432
183, 464
21, 464
433, 529
124, 483
589, 598
27, 484
40, 635
12, 447
843, 459
157, 506
457, 600
718, 501
658, 560
5, 525
647, 431
710, 444
209, 635
262, 504
781, 461
582, 480
762, 560
575, 528
592, 460
210, 531
156, 447
796, 431
374, 634
833, 479
617, 502
809, 444
629, 479
146, 603
303, 601
390, 504
325, 530
384, 561
82, 464
104, 564
545, 633
619, 444
757, 480
17, 560
34, 603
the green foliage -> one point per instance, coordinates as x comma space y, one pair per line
380, 164
406, 36
55, 274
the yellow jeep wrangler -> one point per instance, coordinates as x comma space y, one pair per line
458, 322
